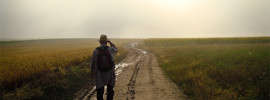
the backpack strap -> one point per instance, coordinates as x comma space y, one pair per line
98, 48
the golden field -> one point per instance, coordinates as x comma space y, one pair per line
44, 68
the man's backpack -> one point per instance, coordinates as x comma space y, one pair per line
104, 59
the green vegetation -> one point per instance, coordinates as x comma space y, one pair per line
47, 69
216, 68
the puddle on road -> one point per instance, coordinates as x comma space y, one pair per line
142, 51
133, 44
119, 67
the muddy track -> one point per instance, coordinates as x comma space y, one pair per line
131, 86
138, 76
88, 92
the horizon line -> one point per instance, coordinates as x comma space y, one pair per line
25, 39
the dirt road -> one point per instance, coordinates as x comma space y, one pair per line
138, 77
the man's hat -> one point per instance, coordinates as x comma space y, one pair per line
103, 38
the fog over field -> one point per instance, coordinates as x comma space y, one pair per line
35, 19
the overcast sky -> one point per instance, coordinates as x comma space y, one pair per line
133, 18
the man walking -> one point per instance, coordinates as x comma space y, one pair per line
102, 67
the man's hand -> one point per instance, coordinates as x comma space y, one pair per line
111, 43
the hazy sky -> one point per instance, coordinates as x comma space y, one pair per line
133, 18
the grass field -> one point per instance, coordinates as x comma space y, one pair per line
47, 69
216, 68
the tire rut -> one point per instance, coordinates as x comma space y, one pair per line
142, 75
131, 86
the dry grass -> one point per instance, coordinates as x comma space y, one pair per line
22, 60
45, 68
231, 68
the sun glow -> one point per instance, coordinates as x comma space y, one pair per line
180, 5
